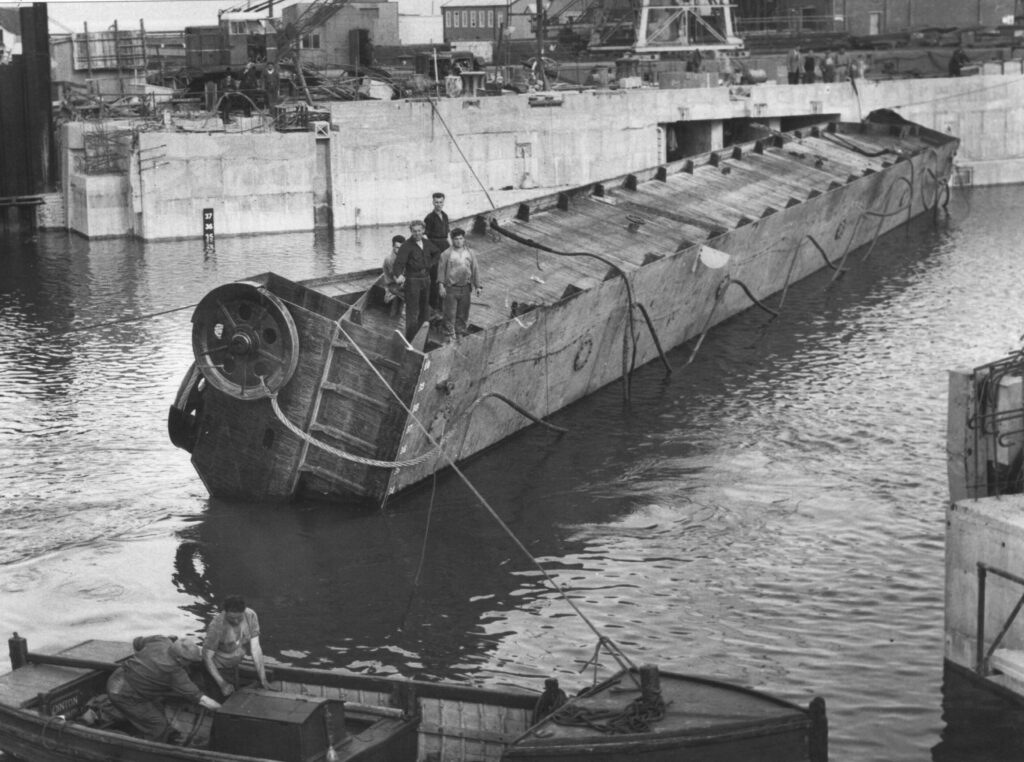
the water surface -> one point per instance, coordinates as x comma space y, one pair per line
772, 513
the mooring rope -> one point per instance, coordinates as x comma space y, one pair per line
459, 149
613, 649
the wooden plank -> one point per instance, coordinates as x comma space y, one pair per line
23, 685
802, 178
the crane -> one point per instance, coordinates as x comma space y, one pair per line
288, 36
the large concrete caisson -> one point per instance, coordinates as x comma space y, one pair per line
580, 287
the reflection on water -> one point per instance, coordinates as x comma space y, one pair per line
771, 514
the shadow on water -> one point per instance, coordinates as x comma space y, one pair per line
980, 725
408, 588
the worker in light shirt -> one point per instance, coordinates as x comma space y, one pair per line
457, 276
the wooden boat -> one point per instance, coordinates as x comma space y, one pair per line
313, 715
310, 389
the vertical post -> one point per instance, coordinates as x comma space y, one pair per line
980, 666
88, 53
650, 682
541, 21
17, 646
208, 231
817, 739
145, 53
117, 58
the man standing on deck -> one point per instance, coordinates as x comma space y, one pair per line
154, 672
412, 268
437, 227
458, 276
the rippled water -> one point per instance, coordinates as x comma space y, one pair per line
772, 513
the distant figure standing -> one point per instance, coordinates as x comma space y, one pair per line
842, 65
810, 63
458, 276
957, 62
271, 84
828, 67
228, 87
249, 82
438, 229
413, 261
859, 68
793, 66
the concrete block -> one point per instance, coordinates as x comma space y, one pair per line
990, 531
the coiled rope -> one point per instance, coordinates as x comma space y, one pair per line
635, 717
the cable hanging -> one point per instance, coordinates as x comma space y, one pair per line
614, 650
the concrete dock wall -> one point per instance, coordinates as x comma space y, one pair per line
990, 531
380, 160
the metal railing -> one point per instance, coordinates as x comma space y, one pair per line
989, 426
983, 656
795, 24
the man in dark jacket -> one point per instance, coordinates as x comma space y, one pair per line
413, 264
957, 62
437, 227
155, 672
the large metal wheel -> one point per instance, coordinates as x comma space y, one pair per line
245, 341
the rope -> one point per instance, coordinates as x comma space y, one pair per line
334, 450
459, 149
613, 649
635, 717
61, 722
119, 321
627, 368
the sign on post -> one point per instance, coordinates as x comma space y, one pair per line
208, 227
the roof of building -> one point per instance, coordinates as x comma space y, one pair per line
475, 4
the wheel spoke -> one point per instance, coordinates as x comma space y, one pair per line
227, 314
211, 350
271, 356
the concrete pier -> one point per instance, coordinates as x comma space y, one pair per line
376, 162
984, 589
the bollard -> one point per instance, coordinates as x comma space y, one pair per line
18, 648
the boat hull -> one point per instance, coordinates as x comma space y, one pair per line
611, 276
43, 702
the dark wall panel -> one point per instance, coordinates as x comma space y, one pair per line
26, 134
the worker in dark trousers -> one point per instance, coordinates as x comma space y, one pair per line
438, 230
412, 268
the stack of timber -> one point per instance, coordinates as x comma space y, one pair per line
309, 389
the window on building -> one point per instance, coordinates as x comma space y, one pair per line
472, 19
448, 19
236, 27
456, 19
490, 19
465, 19
500, 18
311, 41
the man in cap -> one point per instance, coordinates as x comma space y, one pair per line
155, 672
